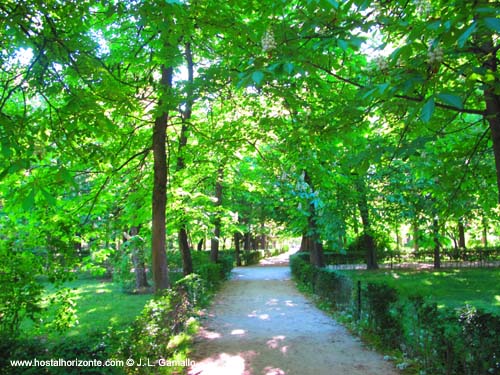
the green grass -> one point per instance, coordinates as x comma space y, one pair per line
99, 305
448, 288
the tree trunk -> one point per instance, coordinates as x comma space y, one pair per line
200, 244
214, 243
437, 246
159, 255
484, 240
461, 234
368, 240
141, 280
187, 262
415, 236
237, 250
316, 256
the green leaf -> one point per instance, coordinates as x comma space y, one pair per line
334, 3
29, 201
451, 99
257, 77
343, 44
428, 110
48, 197
288, 67
493, 24
463, 38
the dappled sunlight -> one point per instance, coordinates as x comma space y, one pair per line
209, 335
497, 299
275, 342
254, 314
273, 371
223, 364
290, 303
238, 332
272, 302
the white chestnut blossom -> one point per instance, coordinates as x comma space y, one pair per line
268, 42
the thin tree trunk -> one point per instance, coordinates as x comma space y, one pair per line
159, 255
485, 232
316, 256
369, 242
237, 249
437, 245
141, 280
461, 234
214, 243
187, 262
415, 236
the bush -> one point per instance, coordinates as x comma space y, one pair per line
250, 257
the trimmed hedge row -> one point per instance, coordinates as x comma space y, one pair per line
432, 340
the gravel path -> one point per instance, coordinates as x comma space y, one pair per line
260, 324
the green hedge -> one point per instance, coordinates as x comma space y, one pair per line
435, 341
163, 330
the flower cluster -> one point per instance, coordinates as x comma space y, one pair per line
268, 42
382, 63
435, 56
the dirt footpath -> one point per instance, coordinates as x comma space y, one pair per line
260, 324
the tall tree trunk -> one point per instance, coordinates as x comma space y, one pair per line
437, 245
214, 243
316, 256
461, 234
237, 249
368, 240
159, 255
187, 262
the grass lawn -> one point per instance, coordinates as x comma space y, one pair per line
448, 288
99, 305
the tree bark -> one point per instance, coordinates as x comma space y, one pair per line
158, 235
200, 244
368, 240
